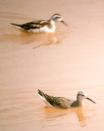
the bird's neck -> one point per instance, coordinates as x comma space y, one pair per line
53, 23
80, 102
50, 27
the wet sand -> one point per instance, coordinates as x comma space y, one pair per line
60, 64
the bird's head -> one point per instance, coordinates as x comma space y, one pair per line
81, 96
58, 18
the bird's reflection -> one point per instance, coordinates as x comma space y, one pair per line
52, 113
34, 39
80, 115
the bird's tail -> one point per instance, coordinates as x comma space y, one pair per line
41, 93
15, 24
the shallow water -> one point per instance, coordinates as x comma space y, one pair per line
60, 64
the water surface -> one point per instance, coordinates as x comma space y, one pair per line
60, 64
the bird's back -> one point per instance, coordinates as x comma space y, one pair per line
60, 102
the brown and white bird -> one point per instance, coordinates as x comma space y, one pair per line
62, 102
42, 25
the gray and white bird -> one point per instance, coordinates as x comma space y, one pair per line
42, 25
62, 102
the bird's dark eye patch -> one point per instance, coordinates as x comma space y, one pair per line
57, 17
81, 95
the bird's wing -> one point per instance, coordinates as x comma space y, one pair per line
58, 101
34, 24
62, 102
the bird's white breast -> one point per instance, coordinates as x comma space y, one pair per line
46, 28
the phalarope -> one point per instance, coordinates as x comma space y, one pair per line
62, 102
42, 25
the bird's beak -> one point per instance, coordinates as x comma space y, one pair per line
90, 100
64, 23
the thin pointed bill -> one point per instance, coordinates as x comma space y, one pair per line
64, 23
90, 100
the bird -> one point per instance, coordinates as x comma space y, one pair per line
42, 25
62, 102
